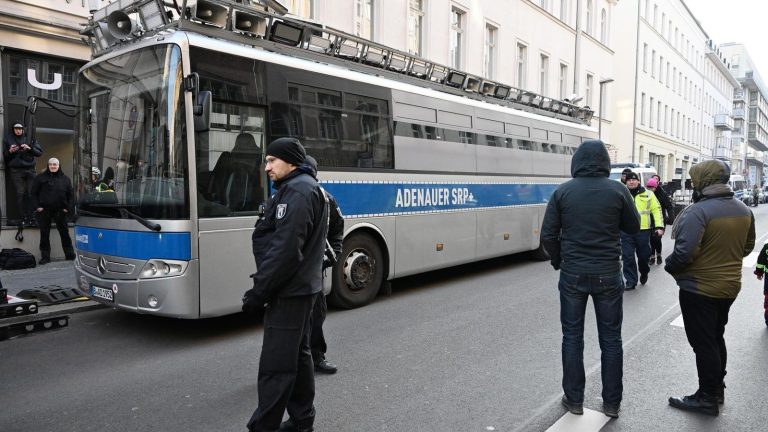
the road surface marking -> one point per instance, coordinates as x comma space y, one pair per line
591, 421
678, 322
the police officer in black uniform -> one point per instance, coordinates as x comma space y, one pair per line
333, 250
288, 245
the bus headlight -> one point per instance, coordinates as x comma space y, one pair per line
157, 268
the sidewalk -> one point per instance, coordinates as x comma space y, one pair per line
60, 273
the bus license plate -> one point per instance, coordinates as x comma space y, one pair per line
102, 293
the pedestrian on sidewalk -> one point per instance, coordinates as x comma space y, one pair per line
288, 246
20, 153
639, 243
762, 265
712, 237
666, 214
580, 232
52, 199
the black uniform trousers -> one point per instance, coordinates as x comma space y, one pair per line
22, 184
705, 319
317, 340
286, 371
44, 219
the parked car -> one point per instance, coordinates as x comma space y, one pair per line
745, 195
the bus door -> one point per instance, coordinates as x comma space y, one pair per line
231, 185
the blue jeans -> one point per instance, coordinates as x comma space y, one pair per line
607, 296
632, 244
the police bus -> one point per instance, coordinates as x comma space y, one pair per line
431, 166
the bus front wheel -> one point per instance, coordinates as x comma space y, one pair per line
359, 272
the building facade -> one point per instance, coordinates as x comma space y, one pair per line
558, 48
40, 53
673, 92
750, 112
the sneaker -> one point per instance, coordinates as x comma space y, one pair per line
698, 402
629, 287
611, 411
643, 279
573, 408
44, 260
659, 261
652, 260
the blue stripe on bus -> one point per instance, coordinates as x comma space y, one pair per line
358, 199
134, 244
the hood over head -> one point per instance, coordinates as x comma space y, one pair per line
591, 160
709, 172
309, 166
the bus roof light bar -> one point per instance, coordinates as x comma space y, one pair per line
263, 23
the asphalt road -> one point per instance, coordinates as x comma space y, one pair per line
474, 348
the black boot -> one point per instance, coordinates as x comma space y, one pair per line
698, 402
720, 393
45, 259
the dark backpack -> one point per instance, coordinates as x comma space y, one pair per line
14, 259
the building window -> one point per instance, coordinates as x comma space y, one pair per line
545, 5
604, 27
655, 15
457, 37
489, 63
666, 115
588, 90
661, 69
650, 114
645, 57
564, 11
658, 116
642, 109
663, 24
653, 63
668, 66
415, 26
302, 8
522, 57
544, 75
589, 16
364, 19
563, 81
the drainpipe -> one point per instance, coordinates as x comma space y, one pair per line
637, 73
577, 48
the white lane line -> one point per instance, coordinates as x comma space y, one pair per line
591, 421
678, 322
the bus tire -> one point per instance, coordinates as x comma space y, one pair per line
359, 273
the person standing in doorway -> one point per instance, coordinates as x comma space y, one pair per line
712, 237
288, 246
52, 199
20, 153
580, 232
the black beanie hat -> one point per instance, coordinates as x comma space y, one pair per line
632, 176
288, 149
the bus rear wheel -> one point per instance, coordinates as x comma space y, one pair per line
359, 273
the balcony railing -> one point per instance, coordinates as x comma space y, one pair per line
738, 113
724, 122
723, 153
738, 95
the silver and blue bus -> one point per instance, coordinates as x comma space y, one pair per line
432, 167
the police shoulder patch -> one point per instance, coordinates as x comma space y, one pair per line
281, 209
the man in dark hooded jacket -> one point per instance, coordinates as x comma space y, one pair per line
580, 232
20, 153
712, 237
52, 199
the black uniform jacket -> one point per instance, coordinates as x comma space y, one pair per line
21, 158
51, 191
289, 240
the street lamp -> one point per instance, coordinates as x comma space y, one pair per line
600, 108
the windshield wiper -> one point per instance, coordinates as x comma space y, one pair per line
151, 225
90, 213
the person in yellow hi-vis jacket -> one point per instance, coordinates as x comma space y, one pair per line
640, 244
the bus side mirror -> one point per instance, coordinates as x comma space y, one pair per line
203, 111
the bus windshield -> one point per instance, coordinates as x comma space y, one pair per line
131, 137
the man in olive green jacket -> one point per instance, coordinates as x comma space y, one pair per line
712, 237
